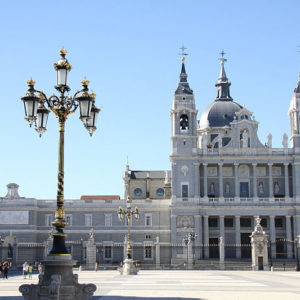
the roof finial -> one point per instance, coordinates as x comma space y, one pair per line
183, 54
222, 59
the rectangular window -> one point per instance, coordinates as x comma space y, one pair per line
185, 191
213, 222
108, 220
88, 220
245, 222
148, 220
148, 251
48, 220
279, 222
107, 252
264, 222
69, 219
228, 222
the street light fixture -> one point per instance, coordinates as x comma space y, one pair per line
128, 213
297, 240
59, 261
189, 240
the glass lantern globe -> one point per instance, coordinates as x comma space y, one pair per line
42, 118
30, 103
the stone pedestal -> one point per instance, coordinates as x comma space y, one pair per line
91, 252
259, 248
128, 268
157, 253
190, 256
222, 253
58, 282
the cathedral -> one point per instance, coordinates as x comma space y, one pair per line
220, 179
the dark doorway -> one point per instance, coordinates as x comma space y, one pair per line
246, 246
260, 263
280, 249
213, 248
244, 189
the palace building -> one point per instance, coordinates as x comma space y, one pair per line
222, 177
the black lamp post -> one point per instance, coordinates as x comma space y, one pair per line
297, 241
187, 240
270, 253
128, 213
59, 261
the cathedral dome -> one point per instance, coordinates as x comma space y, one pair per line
219, 114
222, 111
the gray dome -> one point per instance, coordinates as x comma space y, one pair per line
218, 114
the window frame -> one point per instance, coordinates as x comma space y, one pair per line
148, 249
86, 216
108, 224
150, 218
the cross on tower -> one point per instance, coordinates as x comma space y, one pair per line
222, 59
182, 51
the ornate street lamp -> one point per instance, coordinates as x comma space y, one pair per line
187, 241
128, 213
128, 266
59, 261
297, 241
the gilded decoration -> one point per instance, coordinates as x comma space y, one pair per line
185, 221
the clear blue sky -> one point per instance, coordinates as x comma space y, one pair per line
129, 52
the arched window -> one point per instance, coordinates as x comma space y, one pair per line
184, 122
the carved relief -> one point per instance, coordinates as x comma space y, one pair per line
261, 171
185, 221
243, 171
212, 171
227, 171
276, 171
260, 247
184, 170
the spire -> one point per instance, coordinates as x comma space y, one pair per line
297, 89
183, 86
223, 91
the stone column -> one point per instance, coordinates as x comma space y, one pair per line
221, 180
236, 181
222, 228
198, 241
273, 236
222, 252
125, 247
286, 180
259, 248
190, 255
289, 242
254, 180
157, 253
91, 250
173, 237
237, 237
197, 180
271, 192
206, 237
205, 180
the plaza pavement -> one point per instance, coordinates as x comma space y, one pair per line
178, 285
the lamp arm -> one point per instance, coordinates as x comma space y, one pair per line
74, 103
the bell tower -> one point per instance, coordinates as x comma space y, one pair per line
184, 117
184, 162
294, 113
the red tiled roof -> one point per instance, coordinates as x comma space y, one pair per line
100, 197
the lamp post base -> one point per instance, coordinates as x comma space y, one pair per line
58, 282
128, 267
